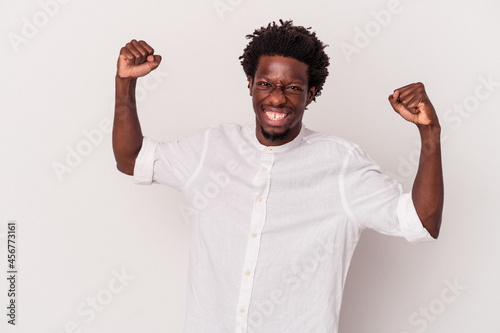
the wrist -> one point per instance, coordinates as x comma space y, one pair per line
129, 79
430, 130
430, 137
125, 85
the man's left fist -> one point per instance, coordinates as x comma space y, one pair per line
412, 103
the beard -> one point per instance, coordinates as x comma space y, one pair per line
274, 137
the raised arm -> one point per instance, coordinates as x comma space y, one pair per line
136, 59
412, 103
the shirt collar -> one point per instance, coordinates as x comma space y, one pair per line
252, 137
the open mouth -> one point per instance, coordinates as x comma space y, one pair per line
275, 115
276, 118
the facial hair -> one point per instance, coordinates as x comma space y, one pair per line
274, 137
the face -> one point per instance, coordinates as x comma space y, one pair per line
280, 94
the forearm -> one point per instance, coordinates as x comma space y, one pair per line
127, 134
428, 188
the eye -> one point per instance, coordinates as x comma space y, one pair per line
294, 89
262, 85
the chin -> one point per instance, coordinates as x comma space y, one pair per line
274, 136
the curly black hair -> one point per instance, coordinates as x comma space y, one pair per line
289, 41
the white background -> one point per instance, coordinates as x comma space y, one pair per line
76, 229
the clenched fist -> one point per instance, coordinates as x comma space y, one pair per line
412, 103
137, 59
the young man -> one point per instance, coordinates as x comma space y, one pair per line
276, 209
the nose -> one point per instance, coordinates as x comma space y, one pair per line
277, 96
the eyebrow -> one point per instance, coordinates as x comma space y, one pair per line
268, 79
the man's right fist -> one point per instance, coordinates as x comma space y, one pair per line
137, 59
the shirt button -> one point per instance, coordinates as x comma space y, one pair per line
242, 310
264, 169
247, 273
254, 235
259, 199
269, 149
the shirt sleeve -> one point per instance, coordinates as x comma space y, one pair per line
375, 201
173, 163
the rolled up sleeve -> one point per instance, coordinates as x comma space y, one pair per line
376, 201
144, 163
411, 226
170, 163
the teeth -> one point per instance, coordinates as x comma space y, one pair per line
275, 115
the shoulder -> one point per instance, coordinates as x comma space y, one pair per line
332, 143
221, 131
224, 136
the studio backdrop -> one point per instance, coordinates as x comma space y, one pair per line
84, 249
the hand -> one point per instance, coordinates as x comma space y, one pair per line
412, 103
137, 59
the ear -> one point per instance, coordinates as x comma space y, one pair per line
250, 83
310, 95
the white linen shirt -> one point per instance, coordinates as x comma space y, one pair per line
273, 229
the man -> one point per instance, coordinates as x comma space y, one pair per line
276, 209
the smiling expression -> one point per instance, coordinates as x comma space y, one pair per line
280, 94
